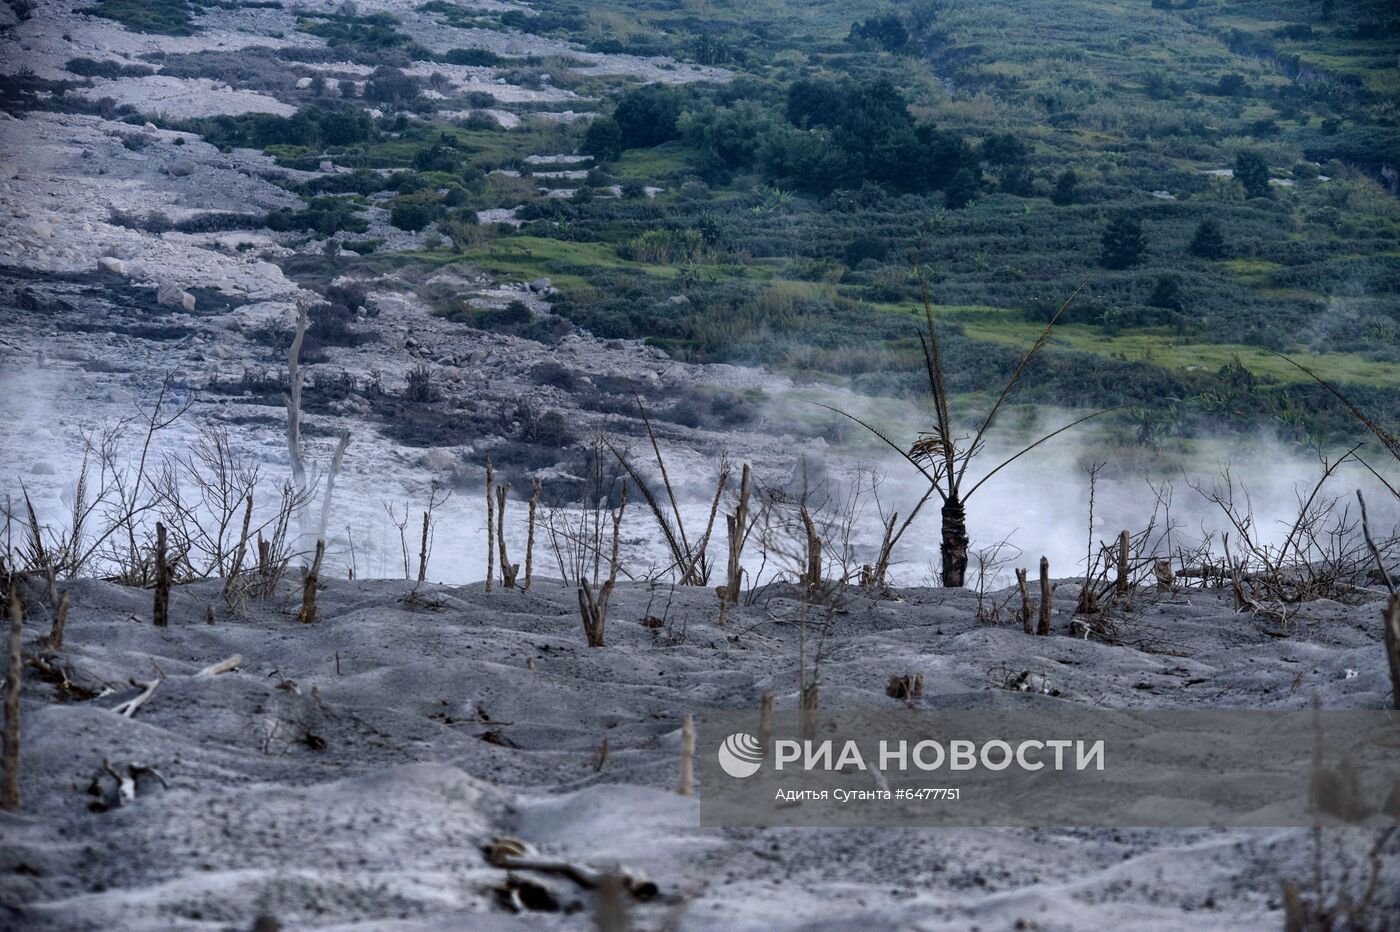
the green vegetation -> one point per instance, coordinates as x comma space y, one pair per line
1206, 174
162, 17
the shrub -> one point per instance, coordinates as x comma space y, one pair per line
603, 139
1123, 244
866, 247
1066, 188
161, 17
1252, 172
1166, 294
391, 86
1208, 242
647, 115
419, 387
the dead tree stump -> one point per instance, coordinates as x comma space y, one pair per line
160, 614
509, 570
60, 618
1123, 556
490, 526
423, 549
1027, 606
1162, 569
309, 584
530, 534
765, 720
1392, 646
737, 525
1046, 594
686, 786
9, 785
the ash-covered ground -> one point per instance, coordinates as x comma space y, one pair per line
351, 772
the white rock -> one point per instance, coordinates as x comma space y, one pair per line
437, 460
268, 270
113, 265
187, 300
303, 83
170, 295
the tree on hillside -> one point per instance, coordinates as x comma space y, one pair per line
961, 189
647, 116
1166, 294
1209, 242
1066, 188
886, 31
603, 139
1252, 172
1123, 244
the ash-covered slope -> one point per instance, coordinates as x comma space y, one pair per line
351, 772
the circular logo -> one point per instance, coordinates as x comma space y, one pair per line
740, 755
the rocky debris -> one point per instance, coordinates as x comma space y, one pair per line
168, 295
541, 286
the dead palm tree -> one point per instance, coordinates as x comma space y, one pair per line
943, 458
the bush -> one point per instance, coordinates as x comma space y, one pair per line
866, 247
89, 68
161, 17
420, 388
1208, 242
391, 86
647, 115
1166, 294
1252, 172
415, 211
1123, 244
1066, 188
603, 139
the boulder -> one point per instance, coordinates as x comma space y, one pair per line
168, 295
181, 169
540, 285
112, 264
327, 165
438, 460
303, 83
